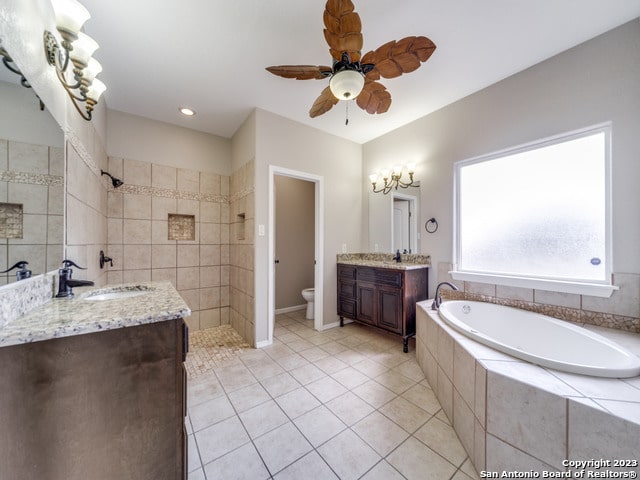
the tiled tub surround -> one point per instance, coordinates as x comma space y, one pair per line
139, 236
32, 177
513, 415
386, 260
620, 311
75, 316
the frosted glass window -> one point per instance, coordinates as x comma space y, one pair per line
539, 211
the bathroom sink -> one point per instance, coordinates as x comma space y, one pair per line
102, 295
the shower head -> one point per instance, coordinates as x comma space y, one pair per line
116, 182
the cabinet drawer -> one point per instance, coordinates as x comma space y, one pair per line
347, 308
347, 272
347, 289
380, 276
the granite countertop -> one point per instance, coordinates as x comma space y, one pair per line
385, 264
156, 302
385, 260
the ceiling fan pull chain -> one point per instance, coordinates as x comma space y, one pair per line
346, 121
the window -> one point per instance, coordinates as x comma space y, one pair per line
537, 215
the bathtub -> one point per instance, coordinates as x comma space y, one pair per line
539, 339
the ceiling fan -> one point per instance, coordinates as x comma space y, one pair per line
353, 75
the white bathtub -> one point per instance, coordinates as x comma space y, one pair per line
540, 339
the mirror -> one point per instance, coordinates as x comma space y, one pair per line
394, 221
31, 182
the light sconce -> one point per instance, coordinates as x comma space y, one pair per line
72, 58
10, 64
393, 178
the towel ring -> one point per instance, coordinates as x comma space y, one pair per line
431, 225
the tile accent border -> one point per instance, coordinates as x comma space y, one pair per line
31, 178
80, 149
241, 194
169, 193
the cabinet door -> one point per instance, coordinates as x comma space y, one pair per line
367, 303
390, 308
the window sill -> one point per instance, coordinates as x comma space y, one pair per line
589, 289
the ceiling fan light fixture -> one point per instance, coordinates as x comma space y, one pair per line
346, 84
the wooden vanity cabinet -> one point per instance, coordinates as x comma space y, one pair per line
100, 406
382, 297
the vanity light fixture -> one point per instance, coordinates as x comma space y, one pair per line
10, 64
72, 57
393, 178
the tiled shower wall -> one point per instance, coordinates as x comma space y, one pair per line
139, 234
86, 210
242, 225
32, 178
620, 311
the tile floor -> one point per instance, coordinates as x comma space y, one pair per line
341, 404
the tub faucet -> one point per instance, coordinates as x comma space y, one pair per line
66, 283
438, 299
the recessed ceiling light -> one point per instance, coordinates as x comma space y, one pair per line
187, 111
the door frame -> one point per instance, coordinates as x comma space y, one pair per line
413, 220
319, 244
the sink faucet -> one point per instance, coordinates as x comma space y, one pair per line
438, 299
397, 258
23, 272
66, 283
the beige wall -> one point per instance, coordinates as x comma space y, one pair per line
287, 144
131, 136
295, 239
594, 82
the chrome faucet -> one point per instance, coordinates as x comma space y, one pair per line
438, 299
66, 283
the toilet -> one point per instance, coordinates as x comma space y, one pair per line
308, 294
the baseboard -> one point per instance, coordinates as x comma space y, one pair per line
264, 343
335, 324
295, 308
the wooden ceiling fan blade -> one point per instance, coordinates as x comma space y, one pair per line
374, 98
323, 103
397, 57
301, 72
343, 29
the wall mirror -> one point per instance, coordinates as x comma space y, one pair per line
32, 183
393, 221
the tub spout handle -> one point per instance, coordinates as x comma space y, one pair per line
438, 299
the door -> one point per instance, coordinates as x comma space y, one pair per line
401, 225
